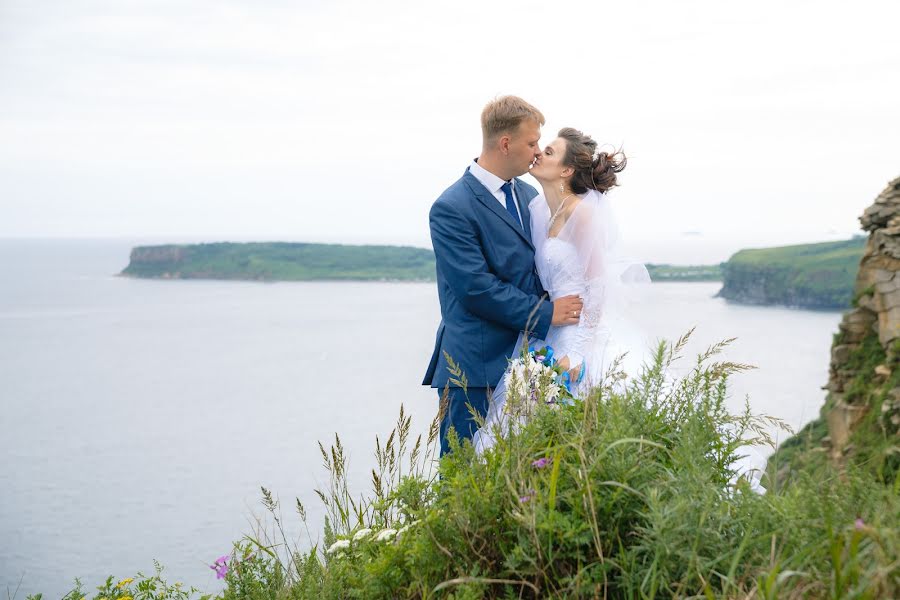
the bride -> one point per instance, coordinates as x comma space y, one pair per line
578, 251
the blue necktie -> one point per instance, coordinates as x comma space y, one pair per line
510, 203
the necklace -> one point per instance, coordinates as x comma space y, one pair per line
556, 214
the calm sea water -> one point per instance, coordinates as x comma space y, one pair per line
139, 418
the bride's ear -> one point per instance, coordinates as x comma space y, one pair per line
567, 173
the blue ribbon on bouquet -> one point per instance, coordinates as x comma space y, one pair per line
567, 378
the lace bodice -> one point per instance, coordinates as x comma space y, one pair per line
563, 267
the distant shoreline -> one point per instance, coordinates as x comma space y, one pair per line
296, 261
804, 276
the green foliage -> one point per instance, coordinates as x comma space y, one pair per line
808, 275
872, 450
139, 587
627, 494
282, 261
862, 362
631, 492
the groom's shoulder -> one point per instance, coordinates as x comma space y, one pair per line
459, 191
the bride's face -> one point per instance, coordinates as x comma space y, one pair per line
548, 167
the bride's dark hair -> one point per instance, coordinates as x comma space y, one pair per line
593, 170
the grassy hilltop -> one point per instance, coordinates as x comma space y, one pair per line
281, 261
804, 276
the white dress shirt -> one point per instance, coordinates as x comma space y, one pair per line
493, 184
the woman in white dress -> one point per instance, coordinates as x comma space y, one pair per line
578, 251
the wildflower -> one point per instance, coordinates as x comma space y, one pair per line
385, 535
124, 582
361, 534
125, 598
528, 496
541, 463
220, 566
338, 546
859, 523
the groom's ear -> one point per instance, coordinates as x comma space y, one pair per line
503, 144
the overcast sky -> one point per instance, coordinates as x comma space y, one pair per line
343, 121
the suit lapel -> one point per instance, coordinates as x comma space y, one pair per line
489, 201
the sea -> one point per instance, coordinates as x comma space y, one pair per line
139, 419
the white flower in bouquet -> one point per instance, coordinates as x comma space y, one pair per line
362, 533
535, 378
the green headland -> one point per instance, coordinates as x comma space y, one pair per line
802, 276
281, 261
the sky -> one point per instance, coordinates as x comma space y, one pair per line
342, 121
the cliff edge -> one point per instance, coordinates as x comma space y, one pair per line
860, 420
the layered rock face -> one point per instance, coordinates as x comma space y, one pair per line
870, 333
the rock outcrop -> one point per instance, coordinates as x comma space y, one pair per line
865, 356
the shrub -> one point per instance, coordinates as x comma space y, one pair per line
631, 492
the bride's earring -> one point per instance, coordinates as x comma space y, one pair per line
562, 188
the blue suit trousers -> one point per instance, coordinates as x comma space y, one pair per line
457, 413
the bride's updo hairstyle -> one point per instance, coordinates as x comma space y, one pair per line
593, 170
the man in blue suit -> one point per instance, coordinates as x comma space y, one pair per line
487, 284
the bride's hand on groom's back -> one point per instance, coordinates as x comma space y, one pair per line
567, 310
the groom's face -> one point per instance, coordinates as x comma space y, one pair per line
524, 146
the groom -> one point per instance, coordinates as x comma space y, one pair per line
487, 284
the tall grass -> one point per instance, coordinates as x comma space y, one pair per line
632, 492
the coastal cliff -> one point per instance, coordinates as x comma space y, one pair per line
860, 420
819, 276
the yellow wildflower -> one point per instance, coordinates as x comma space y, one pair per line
126, 598
124, 582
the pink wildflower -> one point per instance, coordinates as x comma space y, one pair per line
220, 566
541, 463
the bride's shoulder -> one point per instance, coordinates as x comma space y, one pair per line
591, 204
537, 202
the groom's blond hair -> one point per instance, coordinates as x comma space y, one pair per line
504, 115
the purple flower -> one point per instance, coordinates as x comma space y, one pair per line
540, 358
528, 496
541, 463
220, 566
859, 524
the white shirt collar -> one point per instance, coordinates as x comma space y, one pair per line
488, 179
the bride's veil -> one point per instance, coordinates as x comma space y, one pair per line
612, 285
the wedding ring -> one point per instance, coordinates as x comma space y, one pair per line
574, 313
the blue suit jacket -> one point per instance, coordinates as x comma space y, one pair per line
487, 283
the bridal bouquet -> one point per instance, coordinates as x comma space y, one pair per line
536, 377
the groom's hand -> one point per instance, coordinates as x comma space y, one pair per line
566, 310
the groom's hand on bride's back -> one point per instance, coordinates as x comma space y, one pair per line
567, 310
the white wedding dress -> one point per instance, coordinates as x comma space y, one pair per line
584, 258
